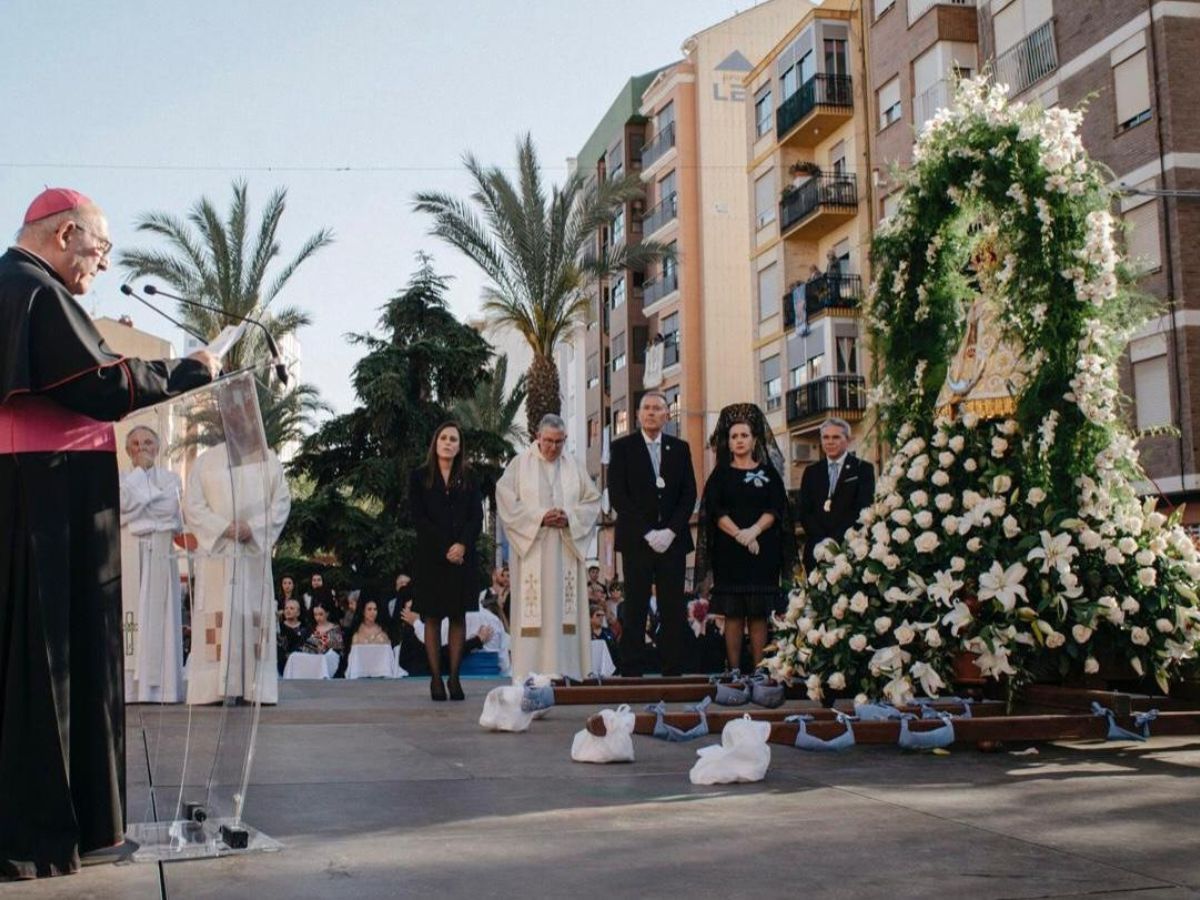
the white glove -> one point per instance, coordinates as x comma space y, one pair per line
753, 547
660, 539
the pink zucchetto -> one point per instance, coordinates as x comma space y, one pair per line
52, 201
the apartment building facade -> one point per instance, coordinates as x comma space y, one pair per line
808, 228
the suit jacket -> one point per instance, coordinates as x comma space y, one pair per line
640, 505
855, 490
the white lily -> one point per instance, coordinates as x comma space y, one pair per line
1003, 585
944, 587
958, 618
931, 681
1056, 552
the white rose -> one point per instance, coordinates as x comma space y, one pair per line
1165, 626
1089, 539
882, 625
1054, 640
813, 684
999, 446
1145, 558
905, 634
945, 459
870, 576
1113, 556
919, 498
837, 681
1011, 528
804, 625
970, 465
1147, 577
950, 524
1140, 636
943, 502
1130, 605
1036, 496
858, 643
1001, 484
974, 545
923, 519
829, 641
861, 699
813, 637
901, 536
915, 473
957, 564
901, 517
859, 603
933, 638
926, 542
970, 420
1081, 633
1091, 666
940, 478
957, 443
1127, 545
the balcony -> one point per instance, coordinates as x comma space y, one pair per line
653, 291
928, 102
666, 211
821, 294
818, 205
1031, 60
918, 8
841, 395
658, 146
819, 106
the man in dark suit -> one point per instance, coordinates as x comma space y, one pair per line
834, 491
653, 491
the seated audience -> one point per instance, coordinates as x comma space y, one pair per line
324, 635
495, 598
292, 633
601, 632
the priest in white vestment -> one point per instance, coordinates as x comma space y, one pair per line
549, 507
236, 514
150, 519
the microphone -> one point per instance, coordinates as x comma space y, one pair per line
281, 371
128, 291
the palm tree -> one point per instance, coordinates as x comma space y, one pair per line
536, 253
217, 263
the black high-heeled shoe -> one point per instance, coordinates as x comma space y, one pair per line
437, 690
456, 691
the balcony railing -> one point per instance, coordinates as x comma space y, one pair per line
821, 293
837, 190
1031, 60
844, 394
918, 8
660, 215
653, 291
658, 146
928, 102
820, 90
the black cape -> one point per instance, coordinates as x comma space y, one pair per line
62, 714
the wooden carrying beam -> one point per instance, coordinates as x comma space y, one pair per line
646, 690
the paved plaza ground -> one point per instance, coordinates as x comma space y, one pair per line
376, 792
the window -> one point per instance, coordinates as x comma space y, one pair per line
765, 191
666, 186
670, 333
797, 375
816, 367
763, 112
836, 61
670, 263
837, 158
889, 103
790, 81
664, 118
847, 355
620, 418
1141, 236
890, 203
882, 6
593, 431
769, 292
1017, 20
841, 252
618, 352
772, 382
1131, 85
672, 426
618, 227
1151, 381
617, 297
593, 371
807, 68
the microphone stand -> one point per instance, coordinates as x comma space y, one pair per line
128, 291
281, 371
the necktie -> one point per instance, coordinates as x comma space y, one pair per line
834, 469
656, 457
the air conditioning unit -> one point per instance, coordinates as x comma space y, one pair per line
804, 453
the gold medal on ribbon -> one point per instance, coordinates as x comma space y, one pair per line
828, 505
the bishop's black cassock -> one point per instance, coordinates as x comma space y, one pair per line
62, 713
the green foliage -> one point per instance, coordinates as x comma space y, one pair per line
417, 366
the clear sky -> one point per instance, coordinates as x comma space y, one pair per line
146, 105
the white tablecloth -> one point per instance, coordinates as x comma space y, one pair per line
373, 661
602, 663
311, 665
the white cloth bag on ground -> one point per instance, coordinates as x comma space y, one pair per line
539, 681
743, 754
617, 743
502, 710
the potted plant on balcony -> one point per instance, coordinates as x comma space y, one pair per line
802, 170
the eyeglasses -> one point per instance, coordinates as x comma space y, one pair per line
103, 243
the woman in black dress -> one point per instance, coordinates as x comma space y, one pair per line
745, 531
447, 510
